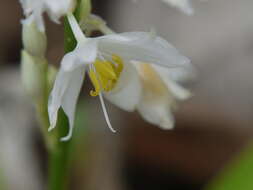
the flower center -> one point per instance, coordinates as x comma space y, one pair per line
105, 74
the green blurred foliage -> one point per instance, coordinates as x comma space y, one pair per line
238, 175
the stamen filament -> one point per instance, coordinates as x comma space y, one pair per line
105, 113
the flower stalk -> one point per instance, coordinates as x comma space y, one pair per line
59, 158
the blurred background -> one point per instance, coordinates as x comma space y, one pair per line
212, 127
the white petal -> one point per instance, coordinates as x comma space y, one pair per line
84, 53
34, 9
79, 35
175, 89
178, 91
156, 101
157, 114
179, 74
127, 92
36, 18
65, 94
70, 98
183, 5
56, 8
144, 47
29, 5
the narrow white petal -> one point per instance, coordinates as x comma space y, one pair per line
127, 92
36, 18
56, 8
156, 101
179, 74
65, 94
55, 99
61, 84
79, 35
29, 6
157, 114
70, 98
177, 91
144, 47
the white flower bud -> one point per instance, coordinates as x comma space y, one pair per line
35, 41
33, 75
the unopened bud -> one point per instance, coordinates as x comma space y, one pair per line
34, 41
34, 75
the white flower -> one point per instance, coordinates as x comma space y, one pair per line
110, 63
183, 5
34, 9
160, 95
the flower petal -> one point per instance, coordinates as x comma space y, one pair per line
179, 74
56, 8
157, 114
156, 101
127, 92
144, 47
77, 31
35, 18
84, 53
34, 9
29, 5
65, 94
175, 89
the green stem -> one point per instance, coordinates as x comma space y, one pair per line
41, 109
59, 156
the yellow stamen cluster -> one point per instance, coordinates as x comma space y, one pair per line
105, 74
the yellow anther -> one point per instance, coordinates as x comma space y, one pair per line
105, 74
105, 69
104, 82
95, 82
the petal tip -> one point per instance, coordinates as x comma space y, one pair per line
69, 135
113, 130
67, 138
167, 125
51, 127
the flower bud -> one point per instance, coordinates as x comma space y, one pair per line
83, 10
33, 75
35, 41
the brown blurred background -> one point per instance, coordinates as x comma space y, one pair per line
211, 128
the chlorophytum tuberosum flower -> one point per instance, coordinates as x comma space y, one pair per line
110, 62
34, 9
183, 5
